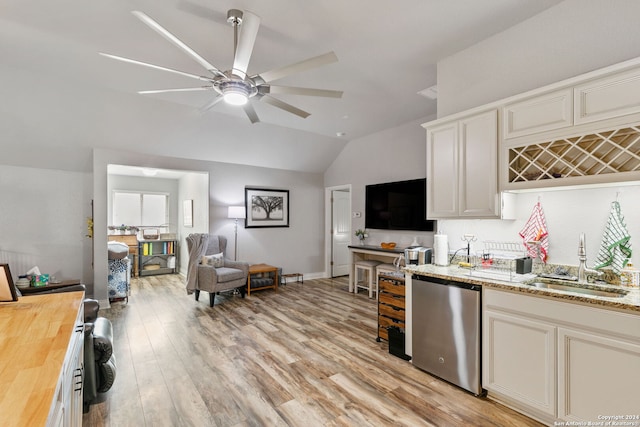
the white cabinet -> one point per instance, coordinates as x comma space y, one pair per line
593, 369
520, 359
462, 167
67, 405
556, 360
608, 97
541, 113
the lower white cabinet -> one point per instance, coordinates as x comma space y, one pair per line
67, 406
597, 375
560, 361
520, 360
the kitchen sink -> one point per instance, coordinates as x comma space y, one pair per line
579, 288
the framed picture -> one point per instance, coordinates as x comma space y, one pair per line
187, 213
266, 207
7, 290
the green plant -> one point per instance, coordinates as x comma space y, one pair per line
361, 234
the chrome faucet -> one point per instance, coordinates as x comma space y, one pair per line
583, 270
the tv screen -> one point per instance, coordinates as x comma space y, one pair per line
398, 205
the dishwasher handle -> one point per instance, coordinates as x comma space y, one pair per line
446, 282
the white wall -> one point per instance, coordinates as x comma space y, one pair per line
569, 39
568, 213
43, 215
566, 40
192, 186
391, 155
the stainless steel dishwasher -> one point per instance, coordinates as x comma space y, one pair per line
446, 325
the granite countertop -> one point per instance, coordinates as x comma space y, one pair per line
630, 302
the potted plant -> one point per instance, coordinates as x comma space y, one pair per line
361, 235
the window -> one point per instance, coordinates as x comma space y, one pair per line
140, 209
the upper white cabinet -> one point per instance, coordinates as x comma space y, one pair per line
538, 114
608, 97
462, 165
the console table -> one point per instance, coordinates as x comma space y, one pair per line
50, 286
363, 252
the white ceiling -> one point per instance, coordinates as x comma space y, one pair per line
57, 91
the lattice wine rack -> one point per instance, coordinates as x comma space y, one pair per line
599, 153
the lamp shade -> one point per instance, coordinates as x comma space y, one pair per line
236, 212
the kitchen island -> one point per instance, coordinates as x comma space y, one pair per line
555, 355
41, 349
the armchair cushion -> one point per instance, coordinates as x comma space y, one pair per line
215, 260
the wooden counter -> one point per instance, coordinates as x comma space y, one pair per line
35, 334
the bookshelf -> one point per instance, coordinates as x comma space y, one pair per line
157, 257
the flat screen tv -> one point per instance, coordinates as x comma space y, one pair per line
400, 205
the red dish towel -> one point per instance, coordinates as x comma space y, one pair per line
535, 230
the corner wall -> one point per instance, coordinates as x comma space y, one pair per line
394, 154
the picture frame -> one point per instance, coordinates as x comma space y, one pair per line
187, 213
266, 207
7, 288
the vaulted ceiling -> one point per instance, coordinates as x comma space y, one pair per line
58, 94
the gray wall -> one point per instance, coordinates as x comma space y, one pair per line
43, 214
297, 248
391, 155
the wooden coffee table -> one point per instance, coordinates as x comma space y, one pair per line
262, 268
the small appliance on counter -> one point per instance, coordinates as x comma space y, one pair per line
418, 255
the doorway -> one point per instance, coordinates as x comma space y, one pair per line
339, 229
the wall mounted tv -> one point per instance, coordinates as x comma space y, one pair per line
398, 205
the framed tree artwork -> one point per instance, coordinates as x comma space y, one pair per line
266, 207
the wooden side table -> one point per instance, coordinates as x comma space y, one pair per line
263, 268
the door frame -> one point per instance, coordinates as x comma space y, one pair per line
328, 241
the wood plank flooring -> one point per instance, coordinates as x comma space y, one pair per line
304, 356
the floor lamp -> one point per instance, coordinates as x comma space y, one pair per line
236, 212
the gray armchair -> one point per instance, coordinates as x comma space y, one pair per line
231, 275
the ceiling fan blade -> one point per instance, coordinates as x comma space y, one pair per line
187, 89
246, 40
289, 90
146, 19
298, 67
251, 113
210, 105
284, 106
157, 67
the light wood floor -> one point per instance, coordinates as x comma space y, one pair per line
304, 356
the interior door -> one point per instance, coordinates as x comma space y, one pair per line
340, 232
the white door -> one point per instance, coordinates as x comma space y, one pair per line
340, 232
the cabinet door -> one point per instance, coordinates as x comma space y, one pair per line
597, 375
543, 113
442, 171
478, 166
519, 360
607, 97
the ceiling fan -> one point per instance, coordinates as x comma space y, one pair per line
234, 86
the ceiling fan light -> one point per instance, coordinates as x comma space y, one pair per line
235, 93
235, 98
